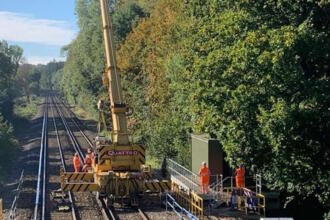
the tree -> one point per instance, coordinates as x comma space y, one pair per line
23, 79
259, 79
253, 73
8, 144
10, 57
152, 70
125, 17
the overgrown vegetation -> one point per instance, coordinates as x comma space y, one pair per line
25, 109
255, 74
20, 86
9, 62
8, 146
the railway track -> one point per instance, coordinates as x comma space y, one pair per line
73, 209
40, 201
84, 199
62, 136
53, 155
107, 212
50, 155
142, 214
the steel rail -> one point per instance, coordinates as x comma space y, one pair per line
43, 210
73, 210
107, 213
76, 124
142, 214
105, 210
42, 167
72, 138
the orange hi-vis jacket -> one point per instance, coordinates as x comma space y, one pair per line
76, 163
88, 160
204, 173
92, 155
240, 177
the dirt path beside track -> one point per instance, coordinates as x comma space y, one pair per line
27, 160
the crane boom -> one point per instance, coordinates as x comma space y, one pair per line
118, 106
118, 171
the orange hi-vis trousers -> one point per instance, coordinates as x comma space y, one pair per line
240, 177
76, 164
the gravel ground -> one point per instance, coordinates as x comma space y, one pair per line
28, 158
151, 205
85, 202
53, 169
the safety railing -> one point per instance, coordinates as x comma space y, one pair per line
190, 180
258, 184
182, 175
216, 182
221, 183
177, 208
247, 199
217, 188
252, 201
12, 212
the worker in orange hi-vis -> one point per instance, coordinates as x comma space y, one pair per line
76, 163
91, 154
204, 174
240, 176
87, 162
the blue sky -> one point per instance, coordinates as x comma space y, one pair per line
40, 27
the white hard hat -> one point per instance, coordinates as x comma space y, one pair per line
203, 163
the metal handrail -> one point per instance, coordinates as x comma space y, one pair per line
258, 184
221, 183
182, 167
171, 202
184, 175
190, 180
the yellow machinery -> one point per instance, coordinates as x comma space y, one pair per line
119, 170
1, 216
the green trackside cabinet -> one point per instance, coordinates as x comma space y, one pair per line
209, 150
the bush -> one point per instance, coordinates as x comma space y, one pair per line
7, 145
25, 109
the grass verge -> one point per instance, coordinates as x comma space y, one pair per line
25, 109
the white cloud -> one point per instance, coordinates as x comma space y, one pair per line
43, 60
24, 28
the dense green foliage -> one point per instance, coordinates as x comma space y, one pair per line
8, 146
255, 74
126, 16
20, 85
30, 80
27, 78
263, 88
80, 79
9, 62
24, 109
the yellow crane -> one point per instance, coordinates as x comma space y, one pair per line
118, 171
